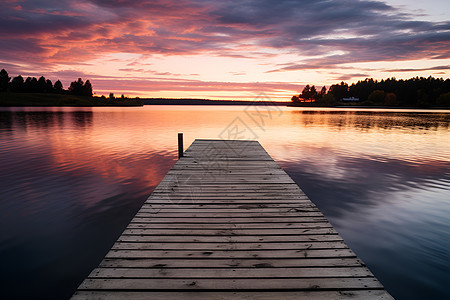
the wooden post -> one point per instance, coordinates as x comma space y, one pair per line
180, 144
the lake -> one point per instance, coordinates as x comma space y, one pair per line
72, 179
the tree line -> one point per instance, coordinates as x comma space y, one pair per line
417, 91
42, 85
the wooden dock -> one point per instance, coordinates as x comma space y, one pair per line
227, 222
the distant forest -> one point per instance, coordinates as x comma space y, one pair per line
42, 85
416, 92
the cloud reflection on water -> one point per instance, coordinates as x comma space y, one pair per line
72, 178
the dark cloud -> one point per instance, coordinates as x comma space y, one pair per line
345, 77
11, 68
37, 17
365, 30
48, 31
419, 69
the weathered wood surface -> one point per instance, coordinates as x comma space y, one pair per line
227, 222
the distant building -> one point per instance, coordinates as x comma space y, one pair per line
351, 99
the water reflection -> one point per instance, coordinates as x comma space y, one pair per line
396, 220
72, 178
65, 198
61, 218
371, 120
360, 179
82, 119
46, 119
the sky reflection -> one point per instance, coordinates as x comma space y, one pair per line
72, 178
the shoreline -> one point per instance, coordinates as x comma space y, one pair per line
65, 100
8, 99
375, 107
219, 104
187, 101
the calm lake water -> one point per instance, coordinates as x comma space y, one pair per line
72, 178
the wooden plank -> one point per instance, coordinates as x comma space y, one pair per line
233, 188
227, 222
227, 246
233, 232
230, 239
260, 179
202, 226
231, 220
229, 208
213, 183
231, 205
214, 191
301, 253
230, 273
250, 187
164, 263
194, 199
225, 215
250, 171
234, 284
228, 195
191, 181
275, 194
239, 194
222, 210
234, 295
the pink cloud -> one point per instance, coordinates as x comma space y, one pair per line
190, 85
51, 33
150, 27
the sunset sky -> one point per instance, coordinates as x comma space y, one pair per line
223, 49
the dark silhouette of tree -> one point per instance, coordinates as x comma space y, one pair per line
17, 84
327, 100
87, 89
443, 99
423, 97
390, 99
322, 92
41, 85
313, 93
306, 93
339, 91
309, 93
377, 97
81, 88
295, 99
417, 91
26, 85
76, 87
4, 80
58, 87
31, 85
48, 86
